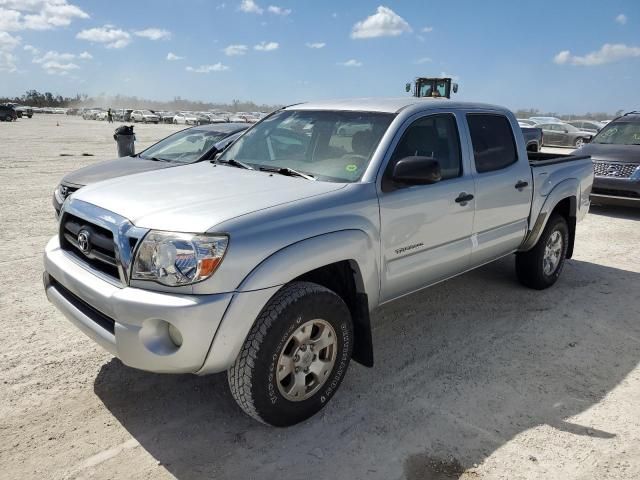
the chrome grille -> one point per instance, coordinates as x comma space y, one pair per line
100, 252
616, 170
99, 239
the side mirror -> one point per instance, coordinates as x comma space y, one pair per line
407, 87
417, 171
454, 87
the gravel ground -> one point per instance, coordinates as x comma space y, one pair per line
476, 378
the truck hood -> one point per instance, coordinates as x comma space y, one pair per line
196, 198
112, 169
612, 153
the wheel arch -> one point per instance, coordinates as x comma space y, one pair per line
563, 200
341, 258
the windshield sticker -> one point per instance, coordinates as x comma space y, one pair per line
351, 168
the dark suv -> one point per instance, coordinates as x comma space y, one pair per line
615, 151
8, 113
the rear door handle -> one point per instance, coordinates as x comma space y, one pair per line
521, 184
464, 197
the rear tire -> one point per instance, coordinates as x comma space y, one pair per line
540, 267
279, 378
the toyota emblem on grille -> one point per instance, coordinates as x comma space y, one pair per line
613, 170
83, 241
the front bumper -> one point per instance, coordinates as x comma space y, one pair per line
132, 323
616, 191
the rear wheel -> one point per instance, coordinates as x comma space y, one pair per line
540, 267
294, 357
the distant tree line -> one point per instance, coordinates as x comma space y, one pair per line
33, 98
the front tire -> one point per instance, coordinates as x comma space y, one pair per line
540, 267
295, 356
579, 142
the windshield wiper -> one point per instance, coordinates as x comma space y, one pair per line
156, 159
234, 163
288, 171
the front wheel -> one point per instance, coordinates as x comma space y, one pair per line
579, 142
540, 267
295, 356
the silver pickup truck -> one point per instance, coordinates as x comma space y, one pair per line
267, 261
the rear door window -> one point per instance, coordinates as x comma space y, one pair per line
494, 147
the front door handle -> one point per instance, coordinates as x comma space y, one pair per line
463, 198
521, 184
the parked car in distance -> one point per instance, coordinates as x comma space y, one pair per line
297, 233
524, 122
23, 111
591, 126
187, 146
185, 118
102, 116
563, 135
545, 120
533, 138
8, 113
167, 117
615, 152
122, 114
144, 116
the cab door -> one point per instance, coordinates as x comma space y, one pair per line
503, 187
426, 229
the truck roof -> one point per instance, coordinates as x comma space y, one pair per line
388, 105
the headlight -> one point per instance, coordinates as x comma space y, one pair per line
178, 258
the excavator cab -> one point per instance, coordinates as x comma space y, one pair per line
432, 87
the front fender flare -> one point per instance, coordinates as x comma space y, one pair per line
281, 267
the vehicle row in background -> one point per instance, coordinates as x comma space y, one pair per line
615, 152
556, 133
162, 116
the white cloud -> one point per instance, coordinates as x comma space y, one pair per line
249, 6
31, 49
427, 29
608, 53
56, 63
384, 23
218, 67
351, 63
316, 45
235, 50
422, 60
57, 68
221, 6
172, 57
37, 14
621, 19
7, 59
9, 42
153, 34
279, 10
266, 47
109, 35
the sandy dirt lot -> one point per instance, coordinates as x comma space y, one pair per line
476, 378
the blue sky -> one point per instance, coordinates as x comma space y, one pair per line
564, 56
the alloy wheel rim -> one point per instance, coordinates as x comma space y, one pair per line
552, 253
306, 360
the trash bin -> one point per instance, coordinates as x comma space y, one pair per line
125, 139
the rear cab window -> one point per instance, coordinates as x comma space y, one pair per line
494, 146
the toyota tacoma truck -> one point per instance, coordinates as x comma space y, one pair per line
268, 261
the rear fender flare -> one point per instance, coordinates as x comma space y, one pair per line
569, 188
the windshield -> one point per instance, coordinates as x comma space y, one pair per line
329, 145
185, 146
619, 133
